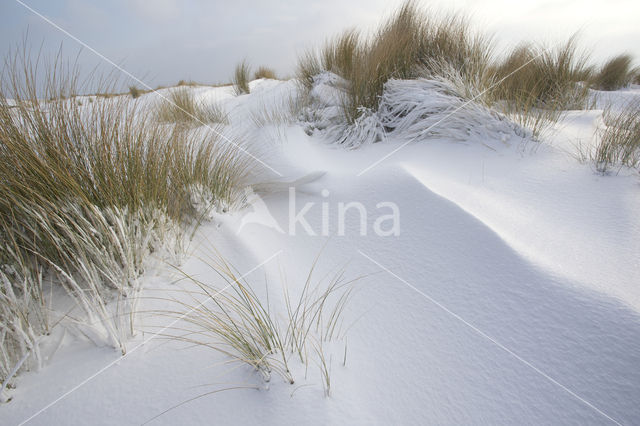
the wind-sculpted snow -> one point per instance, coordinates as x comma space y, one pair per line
418, 110
422, 109
408, 360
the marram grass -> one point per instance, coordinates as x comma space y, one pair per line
88, 191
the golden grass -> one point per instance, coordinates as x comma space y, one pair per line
87, 192
615, 73
242, 325
265, 72
547, 78
189, 83
308, 68
338, 55
181, 107
533, 85
241, 78
135, 92
410, 44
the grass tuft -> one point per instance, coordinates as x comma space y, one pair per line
533, 85
615, 73
135, 92
543, 77
265, 72
181, 107
239, 324
410, 44
88, 191
308, 68
619, 143
241, 79
338, 55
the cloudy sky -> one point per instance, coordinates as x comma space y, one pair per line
163, 41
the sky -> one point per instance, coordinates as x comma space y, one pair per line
164, 41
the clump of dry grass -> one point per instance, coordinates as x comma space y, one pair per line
135, 92
338, 55
308, 68
87, 193
189, 83
615, 73
241, 78
411, 43
236, 322
391, 53
534, 84
246, 328
265, 72
619, 143
545, 77
181, 107
408, 45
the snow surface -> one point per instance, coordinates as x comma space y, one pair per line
511, 296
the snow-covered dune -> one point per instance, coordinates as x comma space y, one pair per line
509, 296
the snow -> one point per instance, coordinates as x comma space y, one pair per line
510, 296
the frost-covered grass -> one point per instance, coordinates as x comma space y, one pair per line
413, 109
182, 108
88, 191
237, 322
619, 143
